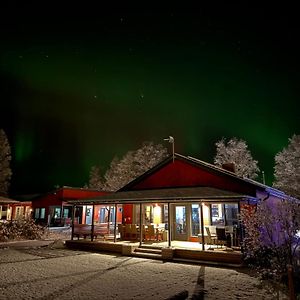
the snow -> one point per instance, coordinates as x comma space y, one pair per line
58, 273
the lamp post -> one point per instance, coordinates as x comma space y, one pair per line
171, 140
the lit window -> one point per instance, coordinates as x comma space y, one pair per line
42, 213
37, 213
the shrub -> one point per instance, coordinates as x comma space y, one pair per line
20, 229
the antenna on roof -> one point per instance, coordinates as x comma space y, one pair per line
263, 177
171, 140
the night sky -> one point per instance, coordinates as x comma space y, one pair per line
79, 87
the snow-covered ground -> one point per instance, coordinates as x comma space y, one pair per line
46, 273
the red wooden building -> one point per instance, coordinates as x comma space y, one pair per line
11, 209
53, 209
185, 199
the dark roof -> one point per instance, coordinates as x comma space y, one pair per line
164, 195
4, 200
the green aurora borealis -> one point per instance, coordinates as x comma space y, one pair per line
74, 94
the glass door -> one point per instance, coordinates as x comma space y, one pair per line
196, 220
180, 230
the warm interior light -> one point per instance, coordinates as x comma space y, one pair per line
206, 215
157, 214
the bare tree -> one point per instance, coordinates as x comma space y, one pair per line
287, 168
236, 152
5, 158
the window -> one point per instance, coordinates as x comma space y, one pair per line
148, 214
112, 214
224, 214
102, 214
42, 213
37, 213
19, 212
166, 212
217, 214
67, 212
57, 211
231, 214
180, 217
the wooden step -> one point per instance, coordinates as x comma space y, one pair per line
147, 255
145, 246
148, 250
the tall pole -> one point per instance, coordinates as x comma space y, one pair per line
173, 149
171, 140
263, 177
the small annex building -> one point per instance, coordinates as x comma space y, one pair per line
11, 209
52, 209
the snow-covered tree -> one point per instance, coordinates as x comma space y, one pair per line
96, 181
5, 158
236, 152
287, 168
132, 165
271, 242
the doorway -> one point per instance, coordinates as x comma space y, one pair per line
180, 229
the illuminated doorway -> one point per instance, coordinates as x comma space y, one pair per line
180, 229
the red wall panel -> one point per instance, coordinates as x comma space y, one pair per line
127, 213
183, 174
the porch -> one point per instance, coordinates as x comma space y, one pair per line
180, 251
198, 223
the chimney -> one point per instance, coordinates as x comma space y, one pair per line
229, 167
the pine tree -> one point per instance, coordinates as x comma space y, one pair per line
5, 158
132, 165
287, 168
236, 152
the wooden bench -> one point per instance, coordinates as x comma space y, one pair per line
84, 230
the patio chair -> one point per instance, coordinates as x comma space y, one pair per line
151, 232
121, 229
221, 236
127, 233
211, 238
134, 233
144, 232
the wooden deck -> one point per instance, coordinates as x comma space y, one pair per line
180, 251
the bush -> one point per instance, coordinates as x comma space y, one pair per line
271, 241
20, 229
270, 262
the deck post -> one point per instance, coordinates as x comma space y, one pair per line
240, 232
202, 226
169, 224
141, 229
73, 220
115, 225
92, 228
